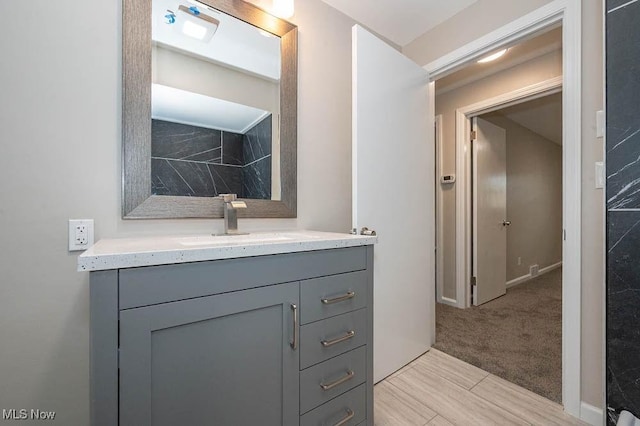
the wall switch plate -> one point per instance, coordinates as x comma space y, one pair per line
599, 175
600, 124
80, 234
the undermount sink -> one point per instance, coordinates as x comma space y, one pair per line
256, 238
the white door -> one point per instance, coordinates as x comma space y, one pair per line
490, 221
393, 194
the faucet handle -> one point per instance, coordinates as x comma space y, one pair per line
227, 198
232, 201
238, 204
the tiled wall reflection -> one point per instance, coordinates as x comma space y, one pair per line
194, 161
623, 207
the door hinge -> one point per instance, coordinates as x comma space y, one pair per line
474, 135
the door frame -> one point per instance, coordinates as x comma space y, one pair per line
439, 138
567, 13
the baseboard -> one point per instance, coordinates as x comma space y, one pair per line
525, 278
549, 268
590, 414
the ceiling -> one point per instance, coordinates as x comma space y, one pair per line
403, 23
542, 116
194, 109
235, 44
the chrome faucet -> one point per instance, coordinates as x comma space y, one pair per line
231, 206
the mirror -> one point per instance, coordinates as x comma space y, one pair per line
209, 107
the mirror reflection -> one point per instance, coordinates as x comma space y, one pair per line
215, 104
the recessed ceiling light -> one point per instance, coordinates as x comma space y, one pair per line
194, 30
195, 24
493, 56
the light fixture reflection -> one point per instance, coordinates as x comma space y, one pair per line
493, 56
196, 24
282, 8
194, 30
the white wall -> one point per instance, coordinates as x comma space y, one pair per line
486, 16
60, 119
534, 71
475, 21
534, 198
175, 69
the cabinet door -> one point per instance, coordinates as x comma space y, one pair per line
218, 360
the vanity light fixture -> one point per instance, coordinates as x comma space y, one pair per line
282, 8
196, 24
493, 56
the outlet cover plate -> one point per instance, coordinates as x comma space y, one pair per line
600, 179
80, 234
533, 270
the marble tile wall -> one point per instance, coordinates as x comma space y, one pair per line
623, 207
256, 149
188, 161
194, 161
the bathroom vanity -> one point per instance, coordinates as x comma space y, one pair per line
261, 329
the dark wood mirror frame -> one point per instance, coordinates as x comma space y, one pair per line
137, 200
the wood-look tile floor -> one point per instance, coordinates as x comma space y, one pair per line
439, 390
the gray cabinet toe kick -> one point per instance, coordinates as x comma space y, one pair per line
276, 340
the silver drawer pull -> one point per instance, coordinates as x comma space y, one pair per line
350, 375
294, 343
349, 295
344, 421
349, 335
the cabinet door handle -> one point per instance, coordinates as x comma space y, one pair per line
350, 375
349, 416
294, 343
327, 343
349, 295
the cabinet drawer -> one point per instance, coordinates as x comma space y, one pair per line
325, 339
351, 404
152, 285
337, 375
330, 296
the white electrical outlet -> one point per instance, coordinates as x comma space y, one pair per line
519, 261
600, 175
80, 234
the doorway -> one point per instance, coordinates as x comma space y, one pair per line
517, 195
552, 15
514, 327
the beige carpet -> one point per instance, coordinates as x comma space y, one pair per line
517, 337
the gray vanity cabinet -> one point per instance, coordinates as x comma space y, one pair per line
283, 339
206, 360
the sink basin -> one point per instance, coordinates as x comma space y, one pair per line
214, 240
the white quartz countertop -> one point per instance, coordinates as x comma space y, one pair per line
164, 250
